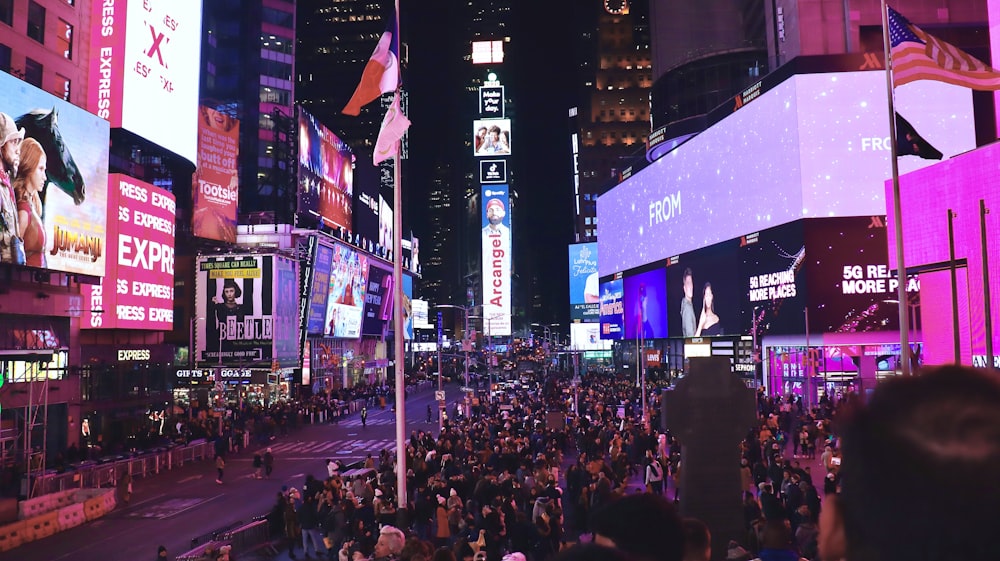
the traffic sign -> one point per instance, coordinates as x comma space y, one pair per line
439, 395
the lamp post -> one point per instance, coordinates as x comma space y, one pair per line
465, 334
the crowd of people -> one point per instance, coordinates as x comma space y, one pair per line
526, 479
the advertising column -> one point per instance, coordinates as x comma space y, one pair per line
496, 238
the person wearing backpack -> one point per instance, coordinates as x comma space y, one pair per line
654, 474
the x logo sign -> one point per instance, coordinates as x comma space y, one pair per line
155, 48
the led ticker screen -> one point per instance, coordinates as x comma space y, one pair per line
813, 146
326, 175
491, 137
346, 300
612, 309
645, 304
138, 290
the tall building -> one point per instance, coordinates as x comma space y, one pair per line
612, 120
40, 43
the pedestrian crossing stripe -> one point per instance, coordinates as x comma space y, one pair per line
337, 446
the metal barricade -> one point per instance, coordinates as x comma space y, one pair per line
249, 537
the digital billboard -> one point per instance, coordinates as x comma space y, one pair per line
813, 146
326, 175
491, 137
491, 102
144, 69
286, 304
378, 301
612, 309
584, 285
235, 296
493, 171
587, 337
409, 317
851, 287
365, 218
320, 290
346, 300
958, 184
645, 304
496, 248
773, 277
66, 230
215, 190
420, 315
137, 291
704, 292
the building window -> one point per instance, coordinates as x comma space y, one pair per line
278, 17
7, 11
33, 72
36, 22
4, 58
64, 40
62, 87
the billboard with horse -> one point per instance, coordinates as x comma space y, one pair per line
61, 180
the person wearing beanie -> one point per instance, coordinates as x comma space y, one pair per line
625, 523
495, 213
161, 553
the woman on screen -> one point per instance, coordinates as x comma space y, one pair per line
708, 323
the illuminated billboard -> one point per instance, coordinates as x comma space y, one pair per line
813, 146
286, 312
326, 175
704, 292
145, 68
66, 230
584, 294
408, 308
645, 304
137, 291
491, 137
496, 246
612, 309
487, 52
491, 102
235, 296
215, 189
587, 337
378, 301
420, 315
320, 290
346, 300
964, 184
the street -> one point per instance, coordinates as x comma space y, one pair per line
173, 508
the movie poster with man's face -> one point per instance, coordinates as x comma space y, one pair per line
235, 305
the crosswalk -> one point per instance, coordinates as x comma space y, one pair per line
333, 448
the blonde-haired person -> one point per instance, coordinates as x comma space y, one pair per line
28, 185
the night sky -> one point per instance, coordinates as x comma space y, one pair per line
538, 72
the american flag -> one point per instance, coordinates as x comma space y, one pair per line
919, 56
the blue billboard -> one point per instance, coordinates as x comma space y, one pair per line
320, 290
584, 286
612, 309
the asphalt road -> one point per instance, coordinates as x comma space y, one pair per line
172, 508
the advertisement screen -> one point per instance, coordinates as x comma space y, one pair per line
584, 294
813, 146
366, 212
378, 301
612, 309
326, 175
286, 303
408, 307
385, 224
346, 300
491, 137
958, 184
774, 280
144, 70
587, 337
645, 305
420, 315
215, 189
496, 245
66, 231
137, 291
704, 292
851, 288
320, 290
235, 295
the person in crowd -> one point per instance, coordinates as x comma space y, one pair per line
625, 524
697, 540
918, 473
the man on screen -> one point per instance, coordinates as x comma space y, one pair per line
495, 213
687, 305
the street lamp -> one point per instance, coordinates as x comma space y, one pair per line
465, 334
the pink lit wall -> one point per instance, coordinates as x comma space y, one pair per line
957, 184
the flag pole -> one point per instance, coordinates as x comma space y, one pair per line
397, 313
904, 323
